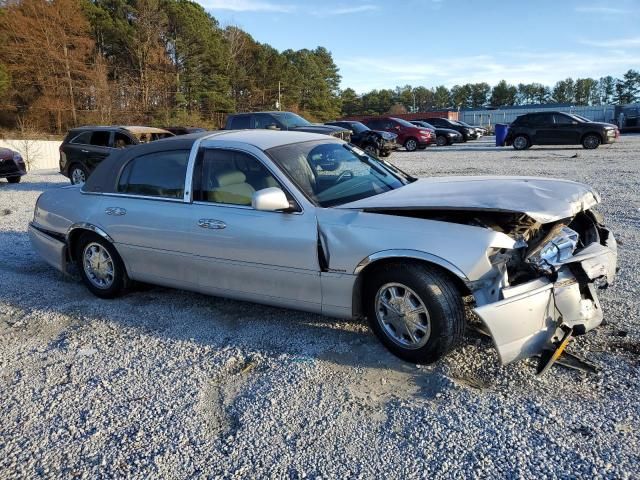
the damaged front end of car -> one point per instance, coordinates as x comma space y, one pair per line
543, 290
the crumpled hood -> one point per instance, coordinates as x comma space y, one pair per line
543, 199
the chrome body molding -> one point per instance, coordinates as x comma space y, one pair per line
415, 254
90, 227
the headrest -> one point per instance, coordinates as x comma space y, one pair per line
230, 178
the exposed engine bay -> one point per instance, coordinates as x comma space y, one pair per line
543, 290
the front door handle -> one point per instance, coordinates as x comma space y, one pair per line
117, 211
84, 151
211, 223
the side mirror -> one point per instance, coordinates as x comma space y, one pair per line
272, 126
397, 127
270, 199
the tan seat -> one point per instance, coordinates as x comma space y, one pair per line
232, 188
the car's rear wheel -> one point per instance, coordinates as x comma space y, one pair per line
591, 141
416, 311
14, 179
411, 144
371, 150
100, 266
520, 142
441, 141
78, 174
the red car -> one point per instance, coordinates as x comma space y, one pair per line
409, 135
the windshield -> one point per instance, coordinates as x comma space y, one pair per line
404, 123
291, 120
358, 127
333, 173
580, 118
461, 123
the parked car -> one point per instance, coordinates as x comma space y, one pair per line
468, 133
410, 136
306, 221
444, 136
480, 131
184, 130
287, 121
378, 143
12, 166
558, 128
84, 148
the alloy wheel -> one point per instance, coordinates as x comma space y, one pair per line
98, 265
78, 176
402, 315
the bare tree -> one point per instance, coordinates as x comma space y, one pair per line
27, 142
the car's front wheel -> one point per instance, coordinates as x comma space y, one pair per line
416, 311
371, 150
100, 266
591, 141
411, 145
521, 142
78, 174
14, 179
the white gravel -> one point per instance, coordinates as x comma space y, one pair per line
169, 384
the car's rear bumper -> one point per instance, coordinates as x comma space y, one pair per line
51, 249
529, 318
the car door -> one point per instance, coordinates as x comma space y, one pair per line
242, 252
567, 130
544, 129
98, 149
148, 218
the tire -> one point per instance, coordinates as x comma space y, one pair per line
411, 144
591, 141
520, 142
14, 179
441, 141
89, 245
441, 326
78, 174
371, 150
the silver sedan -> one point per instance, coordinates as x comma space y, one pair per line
309, 222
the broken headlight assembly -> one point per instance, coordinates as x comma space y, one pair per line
554, 249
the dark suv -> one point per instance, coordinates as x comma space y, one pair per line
409, 135
283, 121
378, 143
558, 128
85, 147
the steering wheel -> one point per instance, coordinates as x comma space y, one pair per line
344, 175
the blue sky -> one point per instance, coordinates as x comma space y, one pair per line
382, 44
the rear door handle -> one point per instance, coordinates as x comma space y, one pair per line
84, 151
211, 223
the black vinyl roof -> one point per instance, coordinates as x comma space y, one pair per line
104, 178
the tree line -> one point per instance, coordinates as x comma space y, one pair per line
159, 62
582, 91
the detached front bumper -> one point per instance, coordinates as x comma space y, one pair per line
528, 318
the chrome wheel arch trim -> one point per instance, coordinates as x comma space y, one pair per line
409, 254
90, 227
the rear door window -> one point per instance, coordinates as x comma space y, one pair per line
160, 174
544, 120
100, 138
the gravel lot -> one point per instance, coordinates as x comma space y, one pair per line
170, 384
